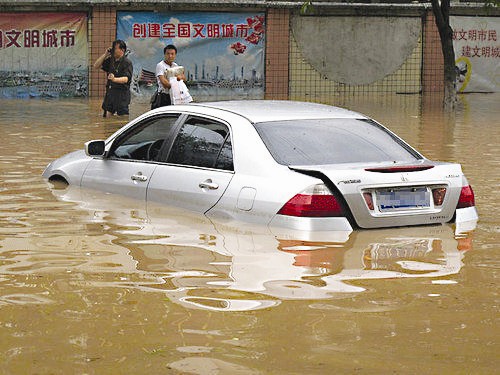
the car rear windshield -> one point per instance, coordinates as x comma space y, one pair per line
332, 141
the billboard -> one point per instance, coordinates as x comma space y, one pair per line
222, 53
43, 54
477, 50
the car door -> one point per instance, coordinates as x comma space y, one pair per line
132, 158
198, 166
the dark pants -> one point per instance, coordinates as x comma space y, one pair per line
116, 101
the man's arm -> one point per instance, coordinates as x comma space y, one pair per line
100, 59
114, 79
126, 77
164, 81
160, 74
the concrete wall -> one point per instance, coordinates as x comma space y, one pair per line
356, 50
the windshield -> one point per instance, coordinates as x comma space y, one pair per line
332, 141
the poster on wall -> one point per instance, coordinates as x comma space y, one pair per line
222, 53
43, 55
477, 50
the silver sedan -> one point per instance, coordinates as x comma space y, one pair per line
303, 166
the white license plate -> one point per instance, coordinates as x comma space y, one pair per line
403, 199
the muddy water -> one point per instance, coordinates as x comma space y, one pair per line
96, 284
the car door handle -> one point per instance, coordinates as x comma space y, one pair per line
138, 177
208, 184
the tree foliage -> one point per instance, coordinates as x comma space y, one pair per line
492, 3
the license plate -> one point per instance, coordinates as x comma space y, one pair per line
402, 199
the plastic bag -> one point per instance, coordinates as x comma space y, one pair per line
179, 93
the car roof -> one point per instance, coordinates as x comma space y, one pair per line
280, 110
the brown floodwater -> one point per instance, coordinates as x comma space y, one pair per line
92, 283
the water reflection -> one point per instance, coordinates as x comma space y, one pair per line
198, 263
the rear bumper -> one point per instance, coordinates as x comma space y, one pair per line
311, 223
465, 219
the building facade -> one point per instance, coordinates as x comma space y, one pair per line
273, 49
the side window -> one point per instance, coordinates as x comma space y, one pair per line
202, 143
145, 140
225, 158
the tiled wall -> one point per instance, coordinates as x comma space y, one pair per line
102, 32
277, 40
433, 65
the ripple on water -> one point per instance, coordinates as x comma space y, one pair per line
207, 365
24, 299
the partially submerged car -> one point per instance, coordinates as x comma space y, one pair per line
288, 164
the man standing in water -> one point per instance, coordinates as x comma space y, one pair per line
119, 70
170, 53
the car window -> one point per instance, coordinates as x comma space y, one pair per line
202, 143
332, 141
145, 140
225, 158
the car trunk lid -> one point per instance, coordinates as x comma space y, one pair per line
394, 194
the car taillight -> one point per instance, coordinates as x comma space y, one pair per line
369, 200
466, 197
315, 201
438, 195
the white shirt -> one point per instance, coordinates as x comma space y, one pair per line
160, 71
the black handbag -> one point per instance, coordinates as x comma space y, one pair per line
160, 99
155, 100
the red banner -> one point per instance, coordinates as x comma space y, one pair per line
45, 53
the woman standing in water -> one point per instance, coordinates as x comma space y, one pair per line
119, 69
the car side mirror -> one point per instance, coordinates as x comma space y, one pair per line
95, 148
